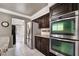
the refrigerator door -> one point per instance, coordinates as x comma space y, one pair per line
29, 38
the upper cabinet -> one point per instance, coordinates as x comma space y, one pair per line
43, 21
62, 8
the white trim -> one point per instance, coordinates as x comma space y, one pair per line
13, 13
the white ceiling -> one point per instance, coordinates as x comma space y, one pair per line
24, 8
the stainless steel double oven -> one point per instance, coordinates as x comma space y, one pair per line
64, 34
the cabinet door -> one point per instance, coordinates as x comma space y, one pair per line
75, 6
46, 21
37, 43
45, 46
61, 8
40, 22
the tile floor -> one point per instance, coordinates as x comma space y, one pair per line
21, 49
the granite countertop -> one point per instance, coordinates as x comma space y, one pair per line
45, 36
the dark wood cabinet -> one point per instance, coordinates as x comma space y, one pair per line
37, 43
75, 6
47, 20
45, 46
62, 8
40, 22
43, 21
42, 44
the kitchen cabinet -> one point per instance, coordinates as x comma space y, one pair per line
42, 44
43, 21
37, 43
47, 20
62, 8
40, 22
75, 6
45, 46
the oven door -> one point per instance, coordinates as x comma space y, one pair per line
62, 47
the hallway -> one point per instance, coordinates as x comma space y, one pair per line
20, 49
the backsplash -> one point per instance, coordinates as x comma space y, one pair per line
45, 31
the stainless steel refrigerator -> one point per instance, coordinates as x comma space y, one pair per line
32, 30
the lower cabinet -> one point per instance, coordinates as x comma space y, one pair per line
42, 44
37, 43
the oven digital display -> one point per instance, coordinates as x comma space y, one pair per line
63, 27
63, 47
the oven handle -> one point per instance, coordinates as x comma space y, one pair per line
64, 19
62, 39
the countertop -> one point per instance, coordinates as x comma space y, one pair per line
45, 36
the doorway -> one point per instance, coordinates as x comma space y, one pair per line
14, 34
19, 34
18, 31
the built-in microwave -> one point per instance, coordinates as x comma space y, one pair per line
66, 47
